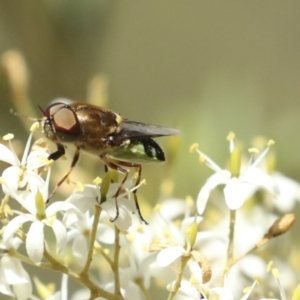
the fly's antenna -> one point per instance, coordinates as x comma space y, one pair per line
25, 116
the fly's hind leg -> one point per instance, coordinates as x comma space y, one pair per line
119, 167
122, 170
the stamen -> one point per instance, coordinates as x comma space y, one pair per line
193, 148
26, 151
34, 126
8, 137
97, 181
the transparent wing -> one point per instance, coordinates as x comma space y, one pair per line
131, 129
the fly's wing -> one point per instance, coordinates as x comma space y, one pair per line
131, 130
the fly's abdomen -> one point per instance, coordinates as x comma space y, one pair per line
139, 151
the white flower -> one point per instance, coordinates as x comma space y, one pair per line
237, 188
33, 202
190, 290
12, 272
289, 192
91, 196
21, 172
78, 232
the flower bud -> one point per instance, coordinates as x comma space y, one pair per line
191, 234
282, 225
40, 206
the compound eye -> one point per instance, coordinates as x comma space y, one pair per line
64, 121
53, 108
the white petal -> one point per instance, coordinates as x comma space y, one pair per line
80, 249
213, 181
34, 162
61, 236
62, 206
105, 234
124, 220
166, 256
172, 208
11, 180
13, 226
35, 241
13, 270
223, 293
289, 192
261, 179
23, 291
186, 290
236, 193
8, 156
5, 289
35, 182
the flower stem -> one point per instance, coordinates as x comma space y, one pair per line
140, 283
116, 262
230, 242
176, 285
89, 259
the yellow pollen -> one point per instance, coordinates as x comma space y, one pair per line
270, 143
80, 186
230, 136
140, 229
193, 148
144, 182
257, 279
34, 126
275, 273
130, 238
190, 201
157, 207
247, 289
97, 180
8, 137
270, 266
202, 159
253, 150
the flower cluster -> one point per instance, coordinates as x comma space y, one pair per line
188, 251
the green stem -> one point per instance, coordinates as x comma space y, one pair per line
140, 283
89, 259
176, 286
230, 242
116, 262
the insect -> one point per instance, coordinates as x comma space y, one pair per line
120, 143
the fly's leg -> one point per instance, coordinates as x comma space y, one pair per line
118, 168
57, 155
138, 167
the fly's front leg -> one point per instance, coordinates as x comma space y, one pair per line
58, 154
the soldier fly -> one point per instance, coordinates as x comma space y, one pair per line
120, 143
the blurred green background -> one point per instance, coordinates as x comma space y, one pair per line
204, 67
